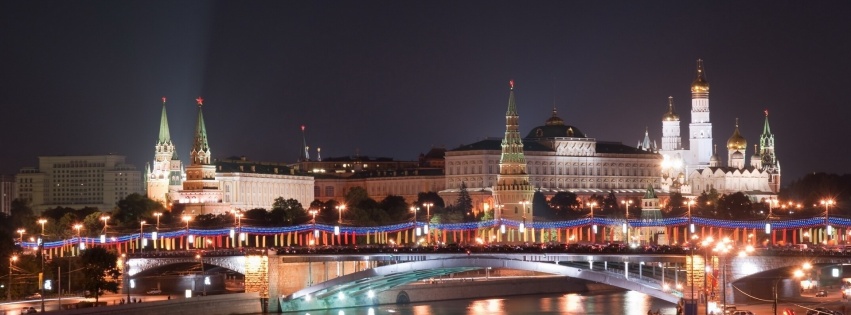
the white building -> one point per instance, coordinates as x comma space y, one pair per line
698, 168
558, 157
98, 181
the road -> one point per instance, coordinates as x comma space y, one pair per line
52, 304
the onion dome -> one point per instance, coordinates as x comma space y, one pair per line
554, 120
736, 141
670, 115
700, 85
714, 159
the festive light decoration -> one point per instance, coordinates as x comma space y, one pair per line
835, 222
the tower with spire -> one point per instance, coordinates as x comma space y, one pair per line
160, 173
769, 163
513, 192
700, 128
201, 192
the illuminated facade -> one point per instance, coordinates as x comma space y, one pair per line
97, 181
165, 176
698, 169
558, 157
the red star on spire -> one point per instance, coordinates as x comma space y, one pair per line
200, 101
766, 113
302, 127
163, 99
511, 83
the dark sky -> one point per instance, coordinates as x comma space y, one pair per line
394, 78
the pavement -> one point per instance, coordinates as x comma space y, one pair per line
800, 305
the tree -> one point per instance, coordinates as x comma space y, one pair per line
100, 271
287, 212
676, 206
610, 203
132, 209
258, 216
736, 206
356, 195
464, 203
432, 197
540, 208
565, 204
398, 210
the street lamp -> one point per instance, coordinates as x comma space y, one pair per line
105, 218
238, 216
141, 235
690, 203
42, 222
203, 275
827, 203
77, 227
189, 238
158, 215
428, 206
313, 212
591, 205
340, 209
626, 220
523, 203
12, 261
21, 232
417, 228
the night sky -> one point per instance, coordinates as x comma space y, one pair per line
395, 78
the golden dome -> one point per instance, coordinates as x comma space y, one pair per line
736, 141
700, 85
554, 120
670, 115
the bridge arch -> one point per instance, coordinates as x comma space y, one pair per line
138, 265
359, 288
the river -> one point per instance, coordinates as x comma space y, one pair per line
626, 302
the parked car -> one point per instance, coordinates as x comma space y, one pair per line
742, 312
822, 311
155, 291
821, 293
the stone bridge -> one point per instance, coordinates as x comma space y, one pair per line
321, 281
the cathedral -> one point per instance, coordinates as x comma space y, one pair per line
698, 168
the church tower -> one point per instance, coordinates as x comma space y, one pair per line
159, 173
671, 128
513, 191
769, 159
736, 148
700, 129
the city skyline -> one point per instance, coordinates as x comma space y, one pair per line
389, 80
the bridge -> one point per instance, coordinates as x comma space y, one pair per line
305, 279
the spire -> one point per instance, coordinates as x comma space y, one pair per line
670, 115
512, 107
200, 148
646, 143
650, 193
306, 156
765, 129
165, 137
319, 154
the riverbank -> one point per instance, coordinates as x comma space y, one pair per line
487, 287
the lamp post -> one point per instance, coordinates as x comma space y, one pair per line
141, 235
416, 228
313, 212
42, 222
21, 232
340, 209
189, 239
827, 203
523, 203
626, 220
104, 218
77, 227
428, 206
690, 203
158, 215
12, 261
238, 217
592, 204
126, 276
203, 275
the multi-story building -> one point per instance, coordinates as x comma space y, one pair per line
249, 185
7, 193
554, 157
78, 181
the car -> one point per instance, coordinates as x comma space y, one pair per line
822, 311
741, 312
155, 291
34, 296
821, 293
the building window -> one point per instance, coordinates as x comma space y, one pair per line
329, 191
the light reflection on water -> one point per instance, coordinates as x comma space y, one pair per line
627, 303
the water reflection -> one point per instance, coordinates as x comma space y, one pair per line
628, 303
